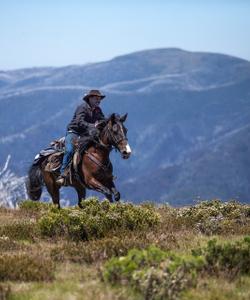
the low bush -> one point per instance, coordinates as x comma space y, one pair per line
228, 258
161, 274
34, 207
217, 217
171, 217
155, 273
96, 219
23, 267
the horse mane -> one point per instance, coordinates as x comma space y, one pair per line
86, 142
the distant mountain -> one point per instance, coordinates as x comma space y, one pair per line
188, 120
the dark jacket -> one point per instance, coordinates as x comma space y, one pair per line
84, 119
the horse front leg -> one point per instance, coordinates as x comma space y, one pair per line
116, 193
99, 187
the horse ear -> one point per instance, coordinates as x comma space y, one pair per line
112, 118
123, 118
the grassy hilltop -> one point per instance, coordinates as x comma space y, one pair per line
125, 251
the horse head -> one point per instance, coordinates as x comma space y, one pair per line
116, 134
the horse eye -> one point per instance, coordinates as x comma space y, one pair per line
115, 127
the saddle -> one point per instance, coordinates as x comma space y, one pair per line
55, 153
54, 160
57, 146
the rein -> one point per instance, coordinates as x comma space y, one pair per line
112, 138
97, 162
108, 147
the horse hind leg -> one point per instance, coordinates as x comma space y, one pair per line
52, 188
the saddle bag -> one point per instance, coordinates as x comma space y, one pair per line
54, 162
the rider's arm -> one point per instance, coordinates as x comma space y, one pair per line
81, 119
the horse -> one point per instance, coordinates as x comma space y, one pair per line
94, 171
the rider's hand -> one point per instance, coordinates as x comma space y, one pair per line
100, 124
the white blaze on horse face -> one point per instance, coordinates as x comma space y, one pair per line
128, 149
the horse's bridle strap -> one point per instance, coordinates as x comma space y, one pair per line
116, 141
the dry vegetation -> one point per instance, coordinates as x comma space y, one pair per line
124, 251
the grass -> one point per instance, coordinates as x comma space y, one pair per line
25, 267
212, 288
46, 253
72, 281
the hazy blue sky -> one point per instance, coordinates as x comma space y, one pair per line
57, 33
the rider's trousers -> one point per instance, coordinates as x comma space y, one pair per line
69, 149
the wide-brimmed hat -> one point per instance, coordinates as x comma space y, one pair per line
93, 93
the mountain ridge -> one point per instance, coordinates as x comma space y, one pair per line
181, 105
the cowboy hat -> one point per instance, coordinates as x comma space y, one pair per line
93, 93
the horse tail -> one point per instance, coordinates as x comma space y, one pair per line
34, 182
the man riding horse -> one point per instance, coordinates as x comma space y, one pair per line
91, 167
82, 124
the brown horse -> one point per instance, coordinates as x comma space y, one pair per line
94, 170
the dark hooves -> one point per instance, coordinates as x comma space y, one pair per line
117, 196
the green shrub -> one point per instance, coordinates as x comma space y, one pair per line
117, 269
164, 275
95, 220
155, 273
34, 206
216, 217
161, 283
231, 258
23, 267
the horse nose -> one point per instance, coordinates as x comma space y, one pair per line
126, 152
128, 149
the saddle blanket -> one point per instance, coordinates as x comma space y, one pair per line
55, 146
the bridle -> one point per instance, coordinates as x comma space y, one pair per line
113, 138
113, 143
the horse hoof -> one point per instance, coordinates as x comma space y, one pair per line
117, 196
110, 199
